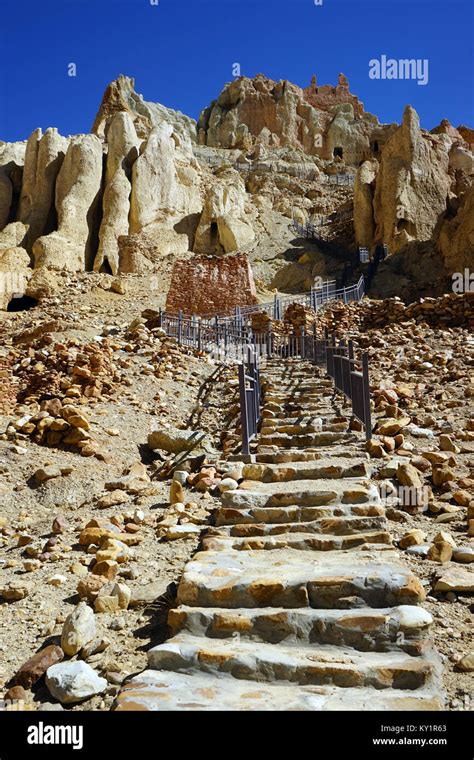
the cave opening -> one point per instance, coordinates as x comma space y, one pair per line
22, 303
338, 152
213, 235
105, 267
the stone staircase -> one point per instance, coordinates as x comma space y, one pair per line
297, 600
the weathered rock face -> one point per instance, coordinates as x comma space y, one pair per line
139, 253
325, 97
14, 234
467, 135
323, 121
123, 147
14, 273
446, 128
461, 158
166, 189
12, 159
138, 192
456, 237
364, 189
224, 225
247, 109
78, 190
412, 185
43, 160
349, 137
120, 96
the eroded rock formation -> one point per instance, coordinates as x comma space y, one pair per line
456, 237
224, 225
141, 189
411, 188
123, 148
78, 190
323, 121
422, 193
120, 96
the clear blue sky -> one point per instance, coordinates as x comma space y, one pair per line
181, 53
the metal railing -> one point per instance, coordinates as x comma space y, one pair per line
350, 374
241, 345
351, 378
250, 397
302, 171
312, 230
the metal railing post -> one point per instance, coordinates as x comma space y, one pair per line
270, 340
366, 391
243, 410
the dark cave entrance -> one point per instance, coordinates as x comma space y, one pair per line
23, 303
213, 235
375, 146
105, 267
338, 152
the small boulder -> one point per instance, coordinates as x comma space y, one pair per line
79, 628
71, 682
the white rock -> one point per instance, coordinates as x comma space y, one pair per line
70, 682
182, 531
421, 550
419, 432
410, 616
228, 484
79, 628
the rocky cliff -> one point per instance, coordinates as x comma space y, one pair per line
322, 121
419, 192
149, 182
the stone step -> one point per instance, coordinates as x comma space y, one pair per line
301, 541
270, 417
155, 691
305, 665
330, 468
303, 419
292, 578
318, 426
274, 455
403, 628
302, 399
293, 513
336, 526
309, 493
302, 441
301, 383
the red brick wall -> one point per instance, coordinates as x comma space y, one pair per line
211, 284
